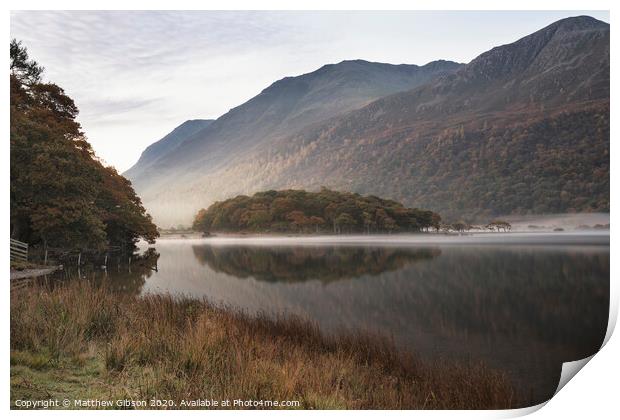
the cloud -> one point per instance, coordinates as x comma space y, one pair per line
112, 107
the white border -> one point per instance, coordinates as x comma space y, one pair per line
592, 394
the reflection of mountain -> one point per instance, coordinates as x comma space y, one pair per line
294, 264
525, 311
525, 295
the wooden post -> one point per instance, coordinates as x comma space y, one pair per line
79, 258
105, 263
45, 260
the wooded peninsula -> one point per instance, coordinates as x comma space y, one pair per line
325, 211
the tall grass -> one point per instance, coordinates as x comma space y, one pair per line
179, 349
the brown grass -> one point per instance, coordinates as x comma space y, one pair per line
184, 349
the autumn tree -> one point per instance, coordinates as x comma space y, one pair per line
298, 220
317, 222
61, 194
345, 222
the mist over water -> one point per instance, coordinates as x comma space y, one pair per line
567, 221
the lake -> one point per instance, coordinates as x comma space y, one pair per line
520, 303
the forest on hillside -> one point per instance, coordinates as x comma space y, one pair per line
62, 195
530, 163
299, 211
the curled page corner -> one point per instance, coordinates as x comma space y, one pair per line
521, 412
569, 370
613, 313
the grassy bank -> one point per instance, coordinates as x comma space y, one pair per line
82, 342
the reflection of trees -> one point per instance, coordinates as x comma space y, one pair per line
120, 276
291, 264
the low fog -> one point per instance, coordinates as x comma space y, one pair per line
566, 221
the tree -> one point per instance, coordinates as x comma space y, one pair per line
317, 222
436, 221
461, 226
61, 194
259, 218
385, 221
24, 69
499, 225
298, 220
369, 221
345, 222
123, 214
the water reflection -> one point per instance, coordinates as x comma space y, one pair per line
299, 264
520, 308
524, 308
119, 275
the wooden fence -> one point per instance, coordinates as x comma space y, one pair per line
80, 256
19, 250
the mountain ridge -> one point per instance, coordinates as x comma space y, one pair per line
174, 139
444, 144
293, 102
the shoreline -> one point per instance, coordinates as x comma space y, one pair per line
31, 273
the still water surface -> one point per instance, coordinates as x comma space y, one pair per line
520, 303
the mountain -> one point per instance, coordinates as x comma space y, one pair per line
278, 111
168, 143
522, 128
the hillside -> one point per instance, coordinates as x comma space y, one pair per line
279, 111
167, 144
523, 128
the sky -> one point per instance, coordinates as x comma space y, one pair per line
136, 75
